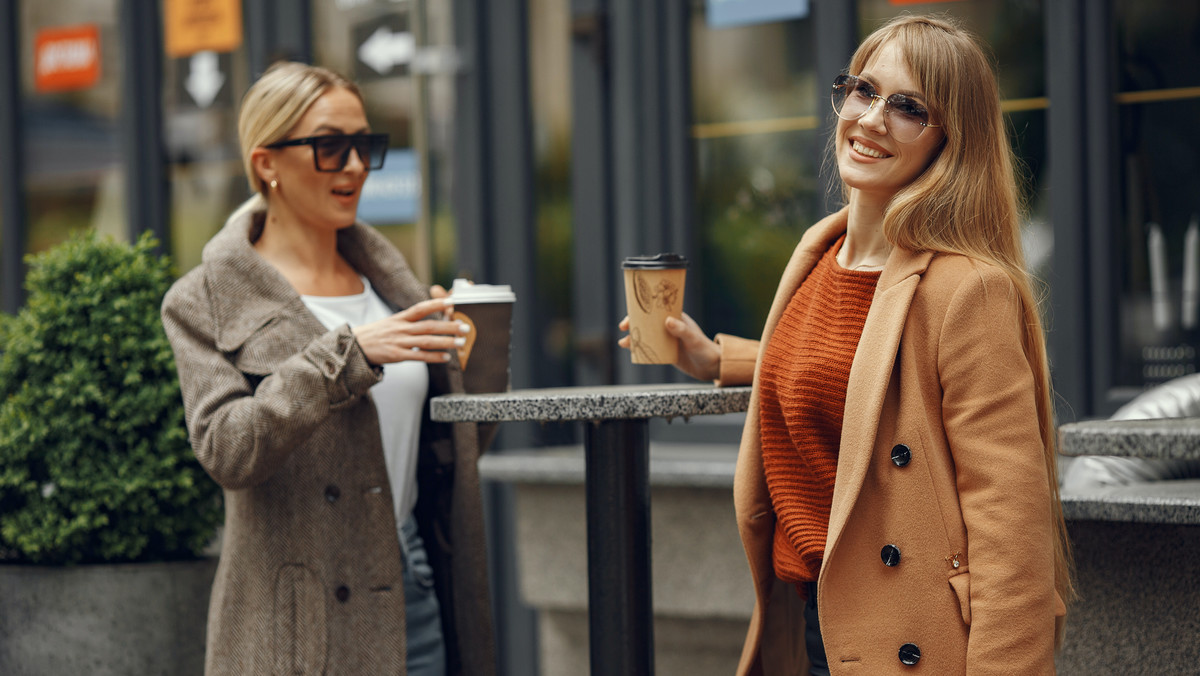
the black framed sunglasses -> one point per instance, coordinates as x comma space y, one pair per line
905, 117
331, 152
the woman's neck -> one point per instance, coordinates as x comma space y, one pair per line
307, 257
865, 246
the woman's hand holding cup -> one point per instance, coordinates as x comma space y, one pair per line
698, 356
411, 335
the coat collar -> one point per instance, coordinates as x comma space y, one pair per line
248, 292
901, 265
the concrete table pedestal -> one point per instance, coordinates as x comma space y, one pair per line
616, 447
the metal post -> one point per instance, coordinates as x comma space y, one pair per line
1071, 336
620, 614
142, 138
12, 196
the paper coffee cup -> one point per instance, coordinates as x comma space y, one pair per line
653, 292
487, 309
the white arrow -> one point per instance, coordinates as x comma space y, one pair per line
385, 50
204, 78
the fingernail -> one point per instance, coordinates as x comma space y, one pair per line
446, 356
459, 342
464, 327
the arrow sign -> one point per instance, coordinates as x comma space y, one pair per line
385, 50
204, 79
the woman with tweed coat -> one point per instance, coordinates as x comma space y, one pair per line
895, 488
307, 351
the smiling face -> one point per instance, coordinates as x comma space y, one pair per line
304, 195
870, 160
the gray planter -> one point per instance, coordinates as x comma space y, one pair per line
140, 618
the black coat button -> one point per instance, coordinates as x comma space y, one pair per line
910, 654
332, 493
342, 594
901, 455
890, 555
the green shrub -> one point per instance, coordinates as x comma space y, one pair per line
95, 464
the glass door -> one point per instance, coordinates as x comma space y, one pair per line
757, 147
1156, 252
71, 102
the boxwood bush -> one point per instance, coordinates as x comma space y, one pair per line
95, 464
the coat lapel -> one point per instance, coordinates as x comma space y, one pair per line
247, 292
751, 498
870, 374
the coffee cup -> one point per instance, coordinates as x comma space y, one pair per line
653, 292
487, 310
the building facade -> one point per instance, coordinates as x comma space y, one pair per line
538, 142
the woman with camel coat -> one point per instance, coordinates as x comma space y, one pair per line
896, 488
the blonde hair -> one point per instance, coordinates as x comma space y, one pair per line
275, 103
967, 201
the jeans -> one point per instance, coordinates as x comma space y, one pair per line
812, 634
426, 649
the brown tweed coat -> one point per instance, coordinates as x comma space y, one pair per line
941, 457
279, 414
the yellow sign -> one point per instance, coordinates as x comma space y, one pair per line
192, 26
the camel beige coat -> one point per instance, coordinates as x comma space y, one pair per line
940, 369
279, 414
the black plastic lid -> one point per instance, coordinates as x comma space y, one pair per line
662, 261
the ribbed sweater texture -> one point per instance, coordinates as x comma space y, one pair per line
802, 400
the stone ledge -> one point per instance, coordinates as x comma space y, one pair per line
1162, 502
671, 464
1177, 438
606, 402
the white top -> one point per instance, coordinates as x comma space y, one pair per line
399, 398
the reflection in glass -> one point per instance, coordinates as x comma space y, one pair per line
74, 175
203, 157
757, 151
550, 92
1158, 231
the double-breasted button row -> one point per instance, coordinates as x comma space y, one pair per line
909, 653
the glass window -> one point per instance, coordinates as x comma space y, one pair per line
1157, 238
757, 149
71, 103
201, 94
550, 93
384, 48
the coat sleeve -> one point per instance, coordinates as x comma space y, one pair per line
242, 433
991, 424
738, 356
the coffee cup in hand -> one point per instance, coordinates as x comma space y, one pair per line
487, 311
653, 292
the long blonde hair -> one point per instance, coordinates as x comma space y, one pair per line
275, 103
967, 201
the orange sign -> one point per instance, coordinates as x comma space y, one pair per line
66, 58
192, 26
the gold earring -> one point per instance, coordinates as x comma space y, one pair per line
274, 184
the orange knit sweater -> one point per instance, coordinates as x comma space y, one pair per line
802, 395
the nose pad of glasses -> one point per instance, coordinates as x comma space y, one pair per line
879, 110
